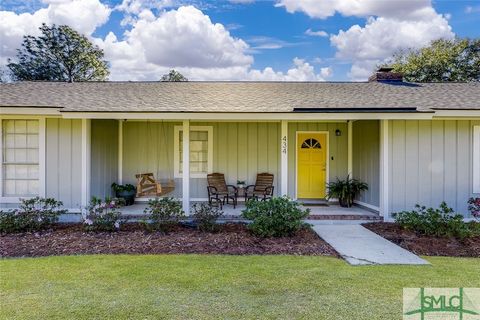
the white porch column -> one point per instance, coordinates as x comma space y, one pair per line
350, 148
120, 152
384, 170
86, 139
186, 167
284, 158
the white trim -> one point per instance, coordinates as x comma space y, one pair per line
476, 159
384, 170
350, 149
367, 205
176, 151
327, 175
41, 156
249, 116
86, 140
30, 111
186, 167
284, 158
120, 152
457, 114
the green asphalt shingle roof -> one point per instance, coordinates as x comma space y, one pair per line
237, 96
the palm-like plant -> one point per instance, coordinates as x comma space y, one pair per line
345, 190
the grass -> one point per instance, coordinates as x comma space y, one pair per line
216, 287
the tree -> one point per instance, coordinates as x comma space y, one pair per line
442, 60
58, 54
173, 76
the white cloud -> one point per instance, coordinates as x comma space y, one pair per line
390, 26
472, 9
381, 37
359, 8
319, 33
83, 15
184, 39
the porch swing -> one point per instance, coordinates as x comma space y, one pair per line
147, 185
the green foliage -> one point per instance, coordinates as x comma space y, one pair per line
33, 215
117, 188
442, 60
275, 217
345, 190
205, 216
58, 54
163, 213
173, 76
474, 207
441, 222
103, 215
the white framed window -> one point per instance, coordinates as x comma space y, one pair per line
476, 159
201, 151
20, 158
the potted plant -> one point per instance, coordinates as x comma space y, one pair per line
345, 190
241, 184
125, 191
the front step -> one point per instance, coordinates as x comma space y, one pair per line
373, 218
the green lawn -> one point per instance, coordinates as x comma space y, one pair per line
220, 287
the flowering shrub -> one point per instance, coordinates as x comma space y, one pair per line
164, 213
205, 216
474, 207
33, 215
103, 215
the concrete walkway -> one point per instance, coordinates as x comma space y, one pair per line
360, 246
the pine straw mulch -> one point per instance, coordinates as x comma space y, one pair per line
233, 239
426, 245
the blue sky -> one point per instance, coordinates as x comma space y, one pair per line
292, 40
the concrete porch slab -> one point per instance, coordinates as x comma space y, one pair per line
360, 246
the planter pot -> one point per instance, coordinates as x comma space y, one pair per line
344, 203
128, 196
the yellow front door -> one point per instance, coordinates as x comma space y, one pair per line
312, 165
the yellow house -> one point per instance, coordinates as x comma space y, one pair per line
412, 143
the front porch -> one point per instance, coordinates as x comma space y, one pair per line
317, 212
182, 153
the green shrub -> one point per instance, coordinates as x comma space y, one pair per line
205, 216
275, 217
33, 215
103, 215
441, 222
162, 214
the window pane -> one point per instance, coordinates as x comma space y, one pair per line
20, 126
20, 146
32, 141
32, 126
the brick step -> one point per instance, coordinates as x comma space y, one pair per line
345, 217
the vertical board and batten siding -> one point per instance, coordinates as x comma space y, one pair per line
240, 151
338, 150
366, 159
104, 157
431, 162
63, 161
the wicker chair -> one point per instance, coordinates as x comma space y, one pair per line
218, 190
262, 189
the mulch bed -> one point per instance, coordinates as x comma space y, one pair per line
425, 245
232, 239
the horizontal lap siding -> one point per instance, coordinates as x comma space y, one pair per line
431, 162
366, 159
338, 150
104, 155
63, 161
